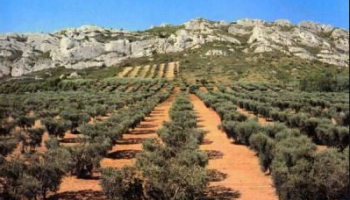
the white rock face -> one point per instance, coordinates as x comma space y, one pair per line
119, 46
236, 30
341, 39
302, 53
250, 22
93, 46
283, 22
315, 27
332, 59
199, 25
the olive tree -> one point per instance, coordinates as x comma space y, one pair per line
55, 127
122, 184
331, 175
264, 146
291, 168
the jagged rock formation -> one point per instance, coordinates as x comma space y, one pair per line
92, 46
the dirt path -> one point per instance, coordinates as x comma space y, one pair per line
125, 72
161, 71
170, 74
135, 72
153, 71
125, 151
238, 163
144, 71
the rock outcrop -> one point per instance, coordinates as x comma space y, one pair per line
93, 46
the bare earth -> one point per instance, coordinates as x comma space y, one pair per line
153, 71
125, 72
161, 71
171, 71
237, 162
135, 71
144, 71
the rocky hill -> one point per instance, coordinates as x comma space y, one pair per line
92, 46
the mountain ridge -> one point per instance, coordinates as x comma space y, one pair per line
94, 46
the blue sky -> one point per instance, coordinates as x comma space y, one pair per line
51, 15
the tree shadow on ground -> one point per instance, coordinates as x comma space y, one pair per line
71, 140
80, 195
150, 120
147, 126
214, 154
206, 142
220, 193
130, 141
142, 132
125, 154
217, 176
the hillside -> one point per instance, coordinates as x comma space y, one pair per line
266, 50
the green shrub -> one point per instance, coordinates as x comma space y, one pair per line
7, 146
122, 184
291, 168
264, 146
331, 175
245, 130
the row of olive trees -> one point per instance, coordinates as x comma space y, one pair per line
320, 129
171, 169
56, 84
99, 137
36, 174
298, 170
333, 105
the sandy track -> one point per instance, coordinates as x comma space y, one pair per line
125, 72
144, 71
170, 74
153, 71
161, 71
125, 151
238, 162
135, 72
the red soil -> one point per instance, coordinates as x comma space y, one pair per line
321, 147
238, 162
